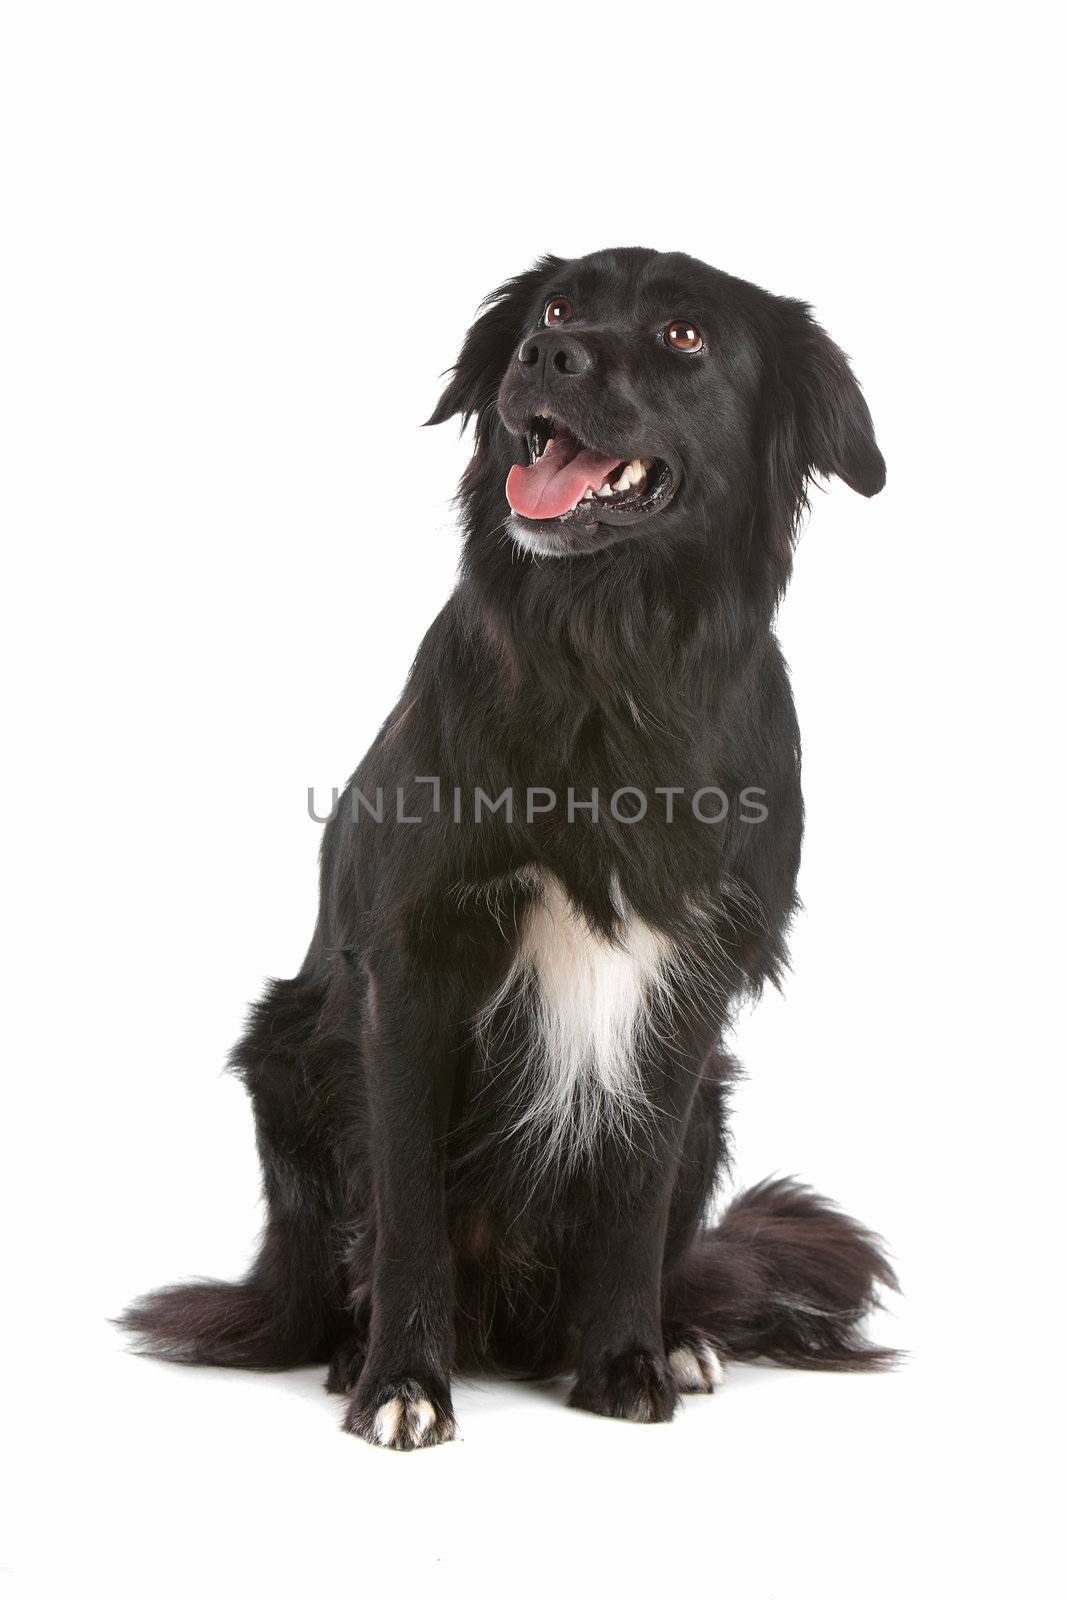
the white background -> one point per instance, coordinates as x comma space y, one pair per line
242, 241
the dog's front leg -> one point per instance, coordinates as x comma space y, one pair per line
403, 1398
623, 1370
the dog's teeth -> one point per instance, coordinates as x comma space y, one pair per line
631, 477
588, 495
604, 491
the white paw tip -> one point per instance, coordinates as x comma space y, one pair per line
696, 1368
408, 1420
424, 1416
387, 1420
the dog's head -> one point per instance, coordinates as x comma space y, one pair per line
633, 395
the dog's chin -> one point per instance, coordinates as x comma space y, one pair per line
541, 539
557, 537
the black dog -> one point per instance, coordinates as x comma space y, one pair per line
491, 1105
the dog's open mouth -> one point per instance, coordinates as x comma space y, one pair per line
567, 479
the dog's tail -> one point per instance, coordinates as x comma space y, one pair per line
288, 1311
785, 1277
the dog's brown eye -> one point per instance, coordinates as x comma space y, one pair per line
557, 311
683, 336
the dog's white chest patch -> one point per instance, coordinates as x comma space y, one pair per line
590, 1004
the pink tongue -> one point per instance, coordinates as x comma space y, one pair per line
556, 483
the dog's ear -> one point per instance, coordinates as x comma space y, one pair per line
490, 344
815, 421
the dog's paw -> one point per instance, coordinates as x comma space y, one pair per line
401, 1415
346, 1364
693, 1362
636, 1385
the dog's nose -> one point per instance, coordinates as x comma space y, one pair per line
558, 352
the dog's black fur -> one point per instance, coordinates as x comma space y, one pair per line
413, 1228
